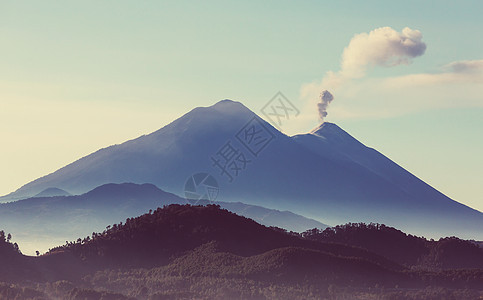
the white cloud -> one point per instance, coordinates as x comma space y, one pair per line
458, 72
388, 97
381, 47
457, 84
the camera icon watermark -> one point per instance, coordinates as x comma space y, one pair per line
200, 189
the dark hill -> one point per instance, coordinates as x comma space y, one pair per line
152, 239
408, 250
13, 265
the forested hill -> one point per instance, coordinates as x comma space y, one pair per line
152, 239
185, 252
406, 249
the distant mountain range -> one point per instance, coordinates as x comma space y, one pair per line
187, 252
326, 175
40, 223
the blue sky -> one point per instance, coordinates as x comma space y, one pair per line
75, 77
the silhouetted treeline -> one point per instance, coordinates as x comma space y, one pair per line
152, 239
7, 248
13, 265
406, 249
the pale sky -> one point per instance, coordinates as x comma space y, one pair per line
76, 77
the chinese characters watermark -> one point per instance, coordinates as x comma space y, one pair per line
278, 109
230, 160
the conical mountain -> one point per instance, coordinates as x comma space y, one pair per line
327, 174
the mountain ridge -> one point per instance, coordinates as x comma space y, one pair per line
319, 175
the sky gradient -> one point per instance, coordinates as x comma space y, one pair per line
76, 77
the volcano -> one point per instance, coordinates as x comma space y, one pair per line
326, 174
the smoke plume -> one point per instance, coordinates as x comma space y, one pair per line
325, 99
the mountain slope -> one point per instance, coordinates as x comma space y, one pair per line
327, 175
271, 217
152, 158
330, 140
